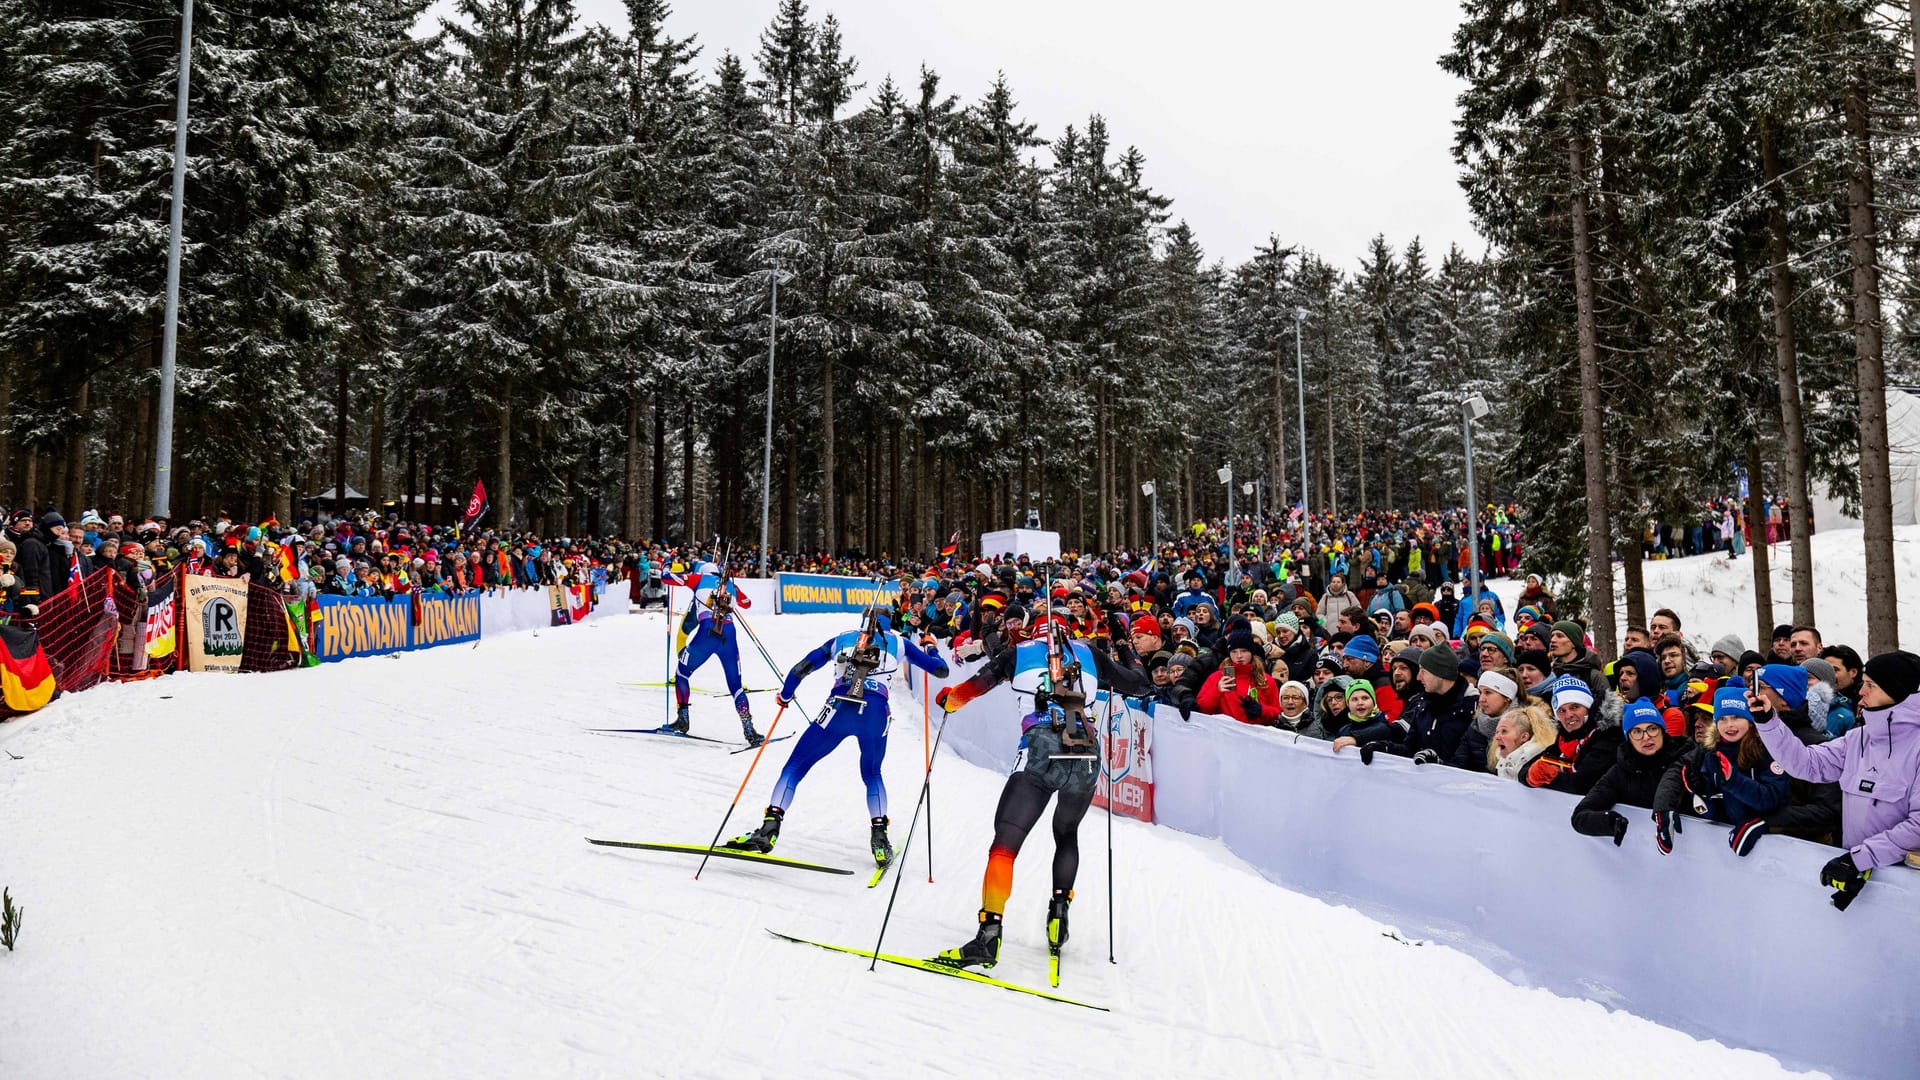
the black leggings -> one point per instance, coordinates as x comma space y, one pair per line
1021, 803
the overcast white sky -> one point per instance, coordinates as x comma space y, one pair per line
1318, 121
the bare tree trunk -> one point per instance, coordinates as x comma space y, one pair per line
687, 525
413, 469
1756, 515
829, 537
77, 465
1793, 428
1136, 537
340, 405
377, 451
505, 492
630, 503
1592, 435
1634, 569
1104, 477
657, 520
1876, 486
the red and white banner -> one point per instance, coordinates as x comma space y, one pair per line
1129, 744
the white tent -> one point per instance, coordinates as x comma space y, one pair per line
1903, 461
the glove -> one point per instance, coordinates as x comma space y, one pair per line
1703, 777
944, 700
1542, 772
1367, 751
1665, 824
1250, 707
1846, 879
1427, 757
780, 702
1745, 835
1619, 826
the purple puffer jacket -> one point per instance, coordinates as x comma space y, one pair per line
1878, 768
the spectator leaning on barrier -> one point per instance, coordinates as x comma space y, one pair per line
1584, 748
1732, 780
1877, 766
1634, 779
1524, 732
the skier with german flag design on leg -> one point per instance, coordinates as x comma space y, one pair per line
1059, 756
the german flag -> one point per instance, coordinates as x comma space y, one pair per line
26, 682
947, 553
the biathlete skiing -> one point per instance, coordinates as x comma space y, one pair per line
1058, 759
707, 631
859, 710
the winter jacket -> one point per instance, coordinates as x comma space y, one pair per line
1307, 725
1472, 754
1878, 768
1255, 698
1299, 658
32, 566
1514, 765
1332, 604
1633, 780
1586, 664
1440, 723
1391, 600
1812, 811
1577, 760
1713, 775
1184, 604
1383, 725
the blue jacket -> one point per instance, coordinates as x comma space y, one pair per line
891, 644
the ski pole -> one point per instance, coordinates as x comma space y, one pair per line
764, 654
925, 786
752, 765
926, 730
1106, 766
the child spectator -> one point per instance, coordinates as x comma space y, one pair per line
1634, 779
1732, 780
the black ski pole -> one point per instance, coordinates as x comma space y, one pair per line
925, 786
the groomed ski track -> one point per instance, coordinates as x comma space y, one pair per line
376, 868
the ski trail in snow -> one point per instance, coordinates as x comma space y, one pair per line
378, 868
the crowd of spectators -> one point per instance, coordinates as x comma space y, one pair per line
1798, 737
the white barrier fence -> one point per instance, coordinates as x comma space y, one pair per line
1747, 951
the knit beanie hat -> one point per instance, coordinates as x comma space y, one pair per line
1537, 657
1819, 669
1729, 647
1187, 624
1574, 633
1241, 639
1147, 624
1289, 620
1440, 662
1409, 656
1897, 673
1730, 701
1364, 647
1787, 680
1501, 642
1640, 711
1499, 683
1571, 690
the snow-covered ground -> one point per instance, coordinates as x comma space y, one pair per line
377, 868
1713, 595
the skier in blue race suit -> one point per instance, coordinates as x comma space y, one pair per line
709, 632
859, 710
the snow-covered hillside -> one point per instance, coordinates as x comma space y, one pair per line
377, 868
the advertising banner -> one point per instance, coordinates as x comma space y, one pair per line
808, 594
444, 620
1129, 745
347, 626
559, 612
215, 612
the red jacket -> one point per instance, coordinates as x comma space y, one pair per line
1248, 681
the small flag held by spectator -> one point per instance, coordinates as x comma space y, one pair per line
476, 507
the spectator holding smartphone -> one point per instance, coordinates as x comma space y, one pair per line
1876, 764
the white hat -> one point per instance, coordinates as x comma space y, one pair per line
1500, 683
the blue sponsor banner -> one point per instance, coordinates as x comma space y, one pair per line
349, 626
809, 594
445, 620
361, 626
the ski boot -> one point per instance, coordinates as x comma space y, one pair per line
761, 839
983, 951
753, 737
882, 847
1057, 919
681, 722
